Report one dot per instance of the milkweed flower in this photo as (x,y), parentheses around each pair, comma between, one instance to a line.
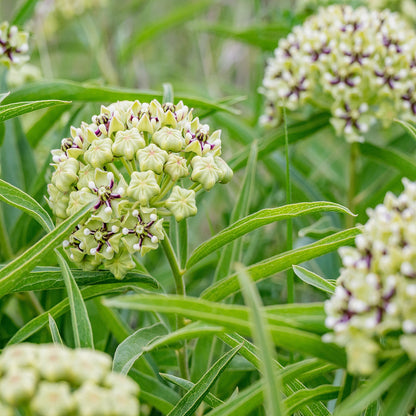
(53,380)
(138,162)
(373,309)
(358,64)
(13,45)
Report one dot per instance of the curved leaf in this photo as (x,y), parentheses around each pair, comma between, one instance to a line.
(259,219)
(302,397)
(314,280)
(17,109)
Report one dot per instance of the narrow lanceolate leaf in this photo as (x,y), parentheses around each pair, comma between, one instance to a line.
(409,127)
(17,109)
(193,398)
(81,325)
(390,157)
(283,331)
(75,91)
(131,348)
(46,278)
(382,380)
(314,280)
(62,307)
(259,219)
(303,397)
(24,12)
(281,262)
(261,335)
(14,196)
(56,336)
(11,273)
(187,385)
(3,96)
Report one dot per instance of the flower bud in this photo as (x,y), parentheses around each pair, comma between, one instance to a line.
(169,139)
(176,167)
(127,143)
(143,186)
(181,203)
(65,174)
(152,158)
(205,171)
(99,153)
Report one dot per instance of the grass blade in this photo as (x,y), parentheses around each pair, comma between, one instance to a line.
(314,280)
(56,336)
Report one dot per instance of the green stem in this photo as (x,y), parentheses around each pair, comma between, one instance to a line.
(289,225)
(113,168)
(127,165)
(6,247)
(352,181)
(180,290)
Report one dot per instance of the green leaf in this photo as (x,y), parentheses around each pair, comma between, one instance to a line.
(409,127)
(17,109)
(186,385)
(75,91)
(24,12)
(380,382)
(263,340)
(162,24)
(283,330)
(192,399)
(314,280)
(62,307)
(281,262)
(3,96)
(131,348)
(259,219)
(14,196)
(390,157)
(47,277)
(302,397)
(56,336)
(11,273)
(81,325)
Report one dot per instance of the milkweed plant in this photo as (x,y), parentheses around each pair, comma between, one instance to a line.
(202,208)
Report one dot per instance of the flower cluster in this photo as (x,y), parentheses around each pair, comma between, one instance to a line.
(359,64)
(13,45)
(137,162)
(53,380)
(374,305)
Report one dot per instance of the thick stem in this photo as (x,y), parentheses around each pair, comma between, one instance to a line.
(180,290)
(289,226)
(352,181)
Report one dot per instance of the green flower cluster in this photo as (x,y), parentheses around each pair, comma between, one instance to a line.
(13,45)
(138,162)
(358,64)
(373,309)
(53,380)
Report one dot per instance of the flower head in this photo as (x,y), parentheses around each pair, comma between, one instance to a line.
(13,45)
(358,64)
(373,307)
(129,161)
(53,380)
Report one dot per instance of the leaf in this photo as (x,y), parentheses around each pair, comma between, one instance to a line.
(11,273)
(302,397)
(409,127)
(56,336)
(130,349)
(81,325)
(210,399)
(380,382)
(17,109)
(390,157)
(162,24)
(192,399)
(259,219)
(281,262)
(3,96)
(62,307)
(263,340)
(236,318)
(75,91)
(46,278)
(19,199)
(314,280)
(24,12)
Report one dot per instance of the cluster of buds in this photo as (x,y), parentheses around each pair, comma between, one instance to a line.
(358,64)
(13,45)
(53,380)
(373,309)
(138,162)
